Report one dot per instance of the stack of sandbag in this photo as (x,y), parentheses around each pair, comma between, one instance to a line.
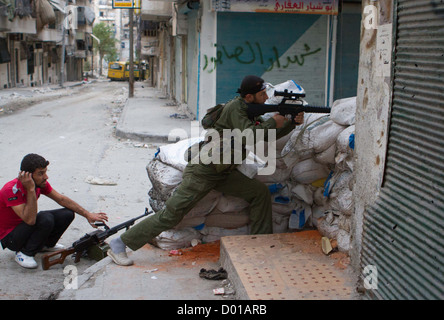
(319,156)
(214,216)
(338,187)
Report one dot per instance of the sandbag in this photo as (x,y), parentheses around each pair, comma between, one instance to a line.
(174,154)
(228,220)
(344,241)
(343,111)
(206,205)
(211,234)
(316,135)
(341,196)
(190,222)
(328,225)
(163,177)
(308,171)
(280,222)
(176,239)
(345,140)
(299,217)
(229,203)
(304,192)
(327,156)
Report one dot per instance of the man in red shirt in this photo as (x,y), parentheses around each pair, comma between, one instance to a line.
(25,230)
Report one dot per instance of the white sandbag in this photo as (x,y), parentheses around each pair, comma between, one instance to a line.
(344,241)
(345,140)
(303,192)
(229,203)
(328,225)
(317,212)
(322,134)
(252,166)
(228,220)
(316,135)
(345,144)
(282,201)
(341,196)
(190,222)
(343,111)
(174,154)
(327,156)
(211,234)
(309,171)
(289,85)
(280,222)
(299,217)
(279,175)
(176,239)
(163,177)
(283,209)
(206,204)
(318,197)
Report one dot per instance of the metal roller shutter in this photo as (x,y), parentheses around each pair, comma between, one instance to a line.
(404,230)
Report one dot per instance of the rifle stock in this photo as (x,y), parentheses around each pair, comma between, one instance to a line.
(48,259)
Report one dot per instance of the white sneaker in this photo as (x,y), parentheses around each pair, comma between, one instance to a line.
(57,247)
(25,261)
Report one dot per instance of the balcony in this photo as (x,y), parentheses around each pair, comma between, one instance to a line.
(48,34)
(23,25)
(157,10)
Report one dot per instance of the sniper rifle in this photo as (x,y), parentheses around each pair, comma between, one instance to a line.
(89,240)
(296,106)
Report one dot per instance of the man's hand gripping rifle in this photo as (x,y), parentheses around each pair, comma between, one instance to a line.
(295,106)
(95,238)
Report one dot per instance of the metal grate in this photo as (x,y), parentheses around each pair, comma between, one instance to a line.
(404,229)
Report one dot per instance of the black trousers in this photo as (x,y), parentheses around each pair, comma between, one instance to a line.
(47,230)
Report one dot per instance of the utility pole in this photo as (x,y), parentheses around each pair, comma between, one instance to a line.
(131,54)
(62,69)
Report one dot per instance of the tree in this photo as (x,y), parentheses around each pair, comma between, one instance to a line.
(107,46)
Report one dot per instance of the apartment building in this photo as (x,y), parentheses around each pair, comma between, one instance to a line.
(38,37)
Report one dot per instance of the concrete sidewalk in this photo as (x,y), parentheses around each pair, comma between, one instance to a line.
(148,116)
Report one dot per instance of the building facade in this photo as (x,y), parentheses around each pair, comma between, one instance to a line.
(32,40)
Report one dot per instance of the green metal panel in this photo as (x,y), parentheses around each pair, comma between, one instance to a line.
(404,230)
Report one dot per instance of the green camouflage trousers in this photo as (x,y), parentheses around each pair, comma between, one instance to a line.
(198,180)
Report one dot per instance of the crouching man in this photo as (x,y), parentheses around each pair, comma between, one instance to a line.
(25,230)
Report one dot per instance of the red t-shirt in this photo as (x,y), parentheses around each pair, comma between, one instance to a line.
(13,194)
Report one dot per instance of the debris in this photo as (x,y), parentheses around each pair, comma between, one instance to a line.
(99,181)
(178,116)
(151,270)
(213,274)
(328,246)
(219,291)
(175,253)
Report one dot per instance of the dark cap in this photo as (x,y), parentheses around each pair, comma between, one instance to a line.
(251,85)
